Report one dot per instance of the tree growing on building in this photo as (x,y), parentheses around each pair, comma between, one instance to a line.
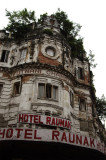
(19,22)
(19,25)
(101,107)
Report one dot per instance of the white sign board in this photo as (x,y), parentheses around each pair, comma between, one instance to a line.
(44,120)
(48,135)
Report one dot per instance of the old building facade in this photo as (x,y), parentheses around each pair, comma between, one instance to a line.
(46,98)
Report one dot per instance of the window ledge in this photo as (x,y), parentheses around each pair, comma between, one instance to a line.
(48,99)
(83,111)
(16,95)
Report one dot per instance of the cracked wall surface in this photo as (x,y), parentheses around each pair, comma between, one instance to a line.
(29,64)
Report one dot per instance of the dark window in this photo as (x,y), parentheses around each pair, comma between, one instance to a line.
(71,99)
(82,104)
(75,72)
(47,91)
(4,56)
(80,73)
(93,110)
(1,87)
(16,88)
(83,126)
(52,21)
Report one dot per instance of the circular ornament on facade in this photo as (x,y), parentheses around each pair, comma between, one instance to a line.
(51,51)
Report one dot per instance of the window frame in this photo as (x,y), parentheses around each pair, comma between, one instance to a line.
(48,88)
(4,56)
(1,89)
(84,126)
(71,99)
(50,48)
(82,107)
(21,55)
(56,91)
(15,93)
(80,73)
(41,84)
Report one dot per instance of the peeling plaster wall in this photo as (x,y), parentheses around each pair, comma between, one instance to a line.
(28,101)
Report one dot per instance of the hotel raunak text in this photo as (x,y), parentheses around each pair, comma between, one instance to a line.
(49,135)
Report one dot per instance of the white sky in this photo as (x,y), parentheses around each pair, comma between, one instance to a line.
(90,14)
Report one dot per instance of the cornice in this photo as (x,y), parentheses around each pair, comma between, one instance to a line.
(59,69)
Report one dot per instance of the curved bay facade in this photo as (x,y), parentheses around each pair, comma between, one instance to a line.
(46,98)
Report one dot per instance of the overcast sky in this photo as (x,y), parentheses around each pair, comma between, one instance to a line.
(90,14)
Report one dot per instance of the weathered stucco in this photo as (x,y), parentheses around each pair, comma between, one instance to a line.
(36,68)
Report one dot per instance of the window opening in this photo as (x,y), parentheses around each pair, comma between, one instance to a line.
(16,88)
(82,105)
(23,53)
(1,87)
(41,90)
(50,51)
(83,126)
(47,91)
(80,73)
(52,21)
(55,94)
(71,99)
(4,56)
